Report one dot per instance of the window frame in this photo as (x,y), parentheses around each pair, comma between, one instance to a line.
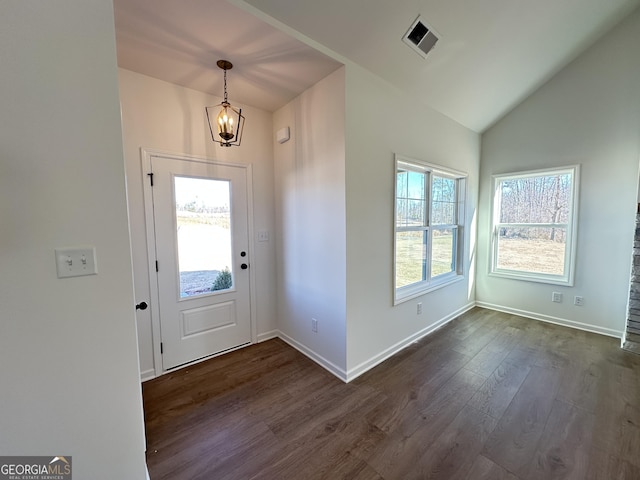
(571,226)
(429,282)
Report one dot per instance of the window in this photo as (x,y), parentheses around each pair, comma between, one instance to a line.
(428,227)
(534,225)
(203,234)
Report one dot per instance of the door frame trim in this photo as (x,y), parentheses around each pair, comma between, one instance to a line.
(156,333)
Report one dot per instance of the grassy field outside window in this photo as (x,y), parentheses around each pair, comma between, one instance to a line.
(428,215)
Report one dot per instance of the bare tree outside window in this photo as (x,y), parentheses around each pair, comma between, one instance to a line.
(534,222)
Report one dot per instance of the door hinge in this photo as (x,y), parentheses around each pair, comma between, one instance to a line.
(161,348)
(157,266)
(150,175)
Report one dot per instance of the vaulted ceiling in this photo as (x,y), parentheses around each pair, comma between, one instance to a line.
(491,55)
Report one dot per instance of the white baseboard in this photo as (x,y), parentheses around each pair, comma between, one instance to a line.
(376,359)
(392,350)
(353,373)
(555,320)
(319,359)
(263,337)
(147,375)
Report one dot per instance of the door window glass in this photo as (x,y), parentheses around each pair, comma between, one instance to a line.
(203,232)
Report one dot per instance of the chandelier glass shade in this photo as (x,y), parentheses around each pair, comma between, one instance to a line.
(226,122)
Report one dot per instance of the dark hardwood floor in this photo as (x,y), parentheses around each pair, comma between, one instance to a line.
(489,396)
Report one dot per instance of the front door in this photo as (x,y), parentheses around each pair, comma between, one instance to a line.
(200,222)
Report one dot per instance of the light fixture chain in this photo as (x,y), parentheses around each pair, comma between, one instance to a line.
(225,86)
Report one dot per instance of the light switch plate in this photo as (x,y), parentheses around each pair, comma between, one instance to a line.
(76,261)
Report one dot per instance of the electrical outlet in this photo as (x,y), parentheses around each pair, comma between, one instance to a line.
(419,308)
(556,297)
(578,300)
(314,325)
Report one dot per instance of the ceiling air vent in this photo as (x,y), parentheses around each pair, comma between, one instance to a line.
(421,37)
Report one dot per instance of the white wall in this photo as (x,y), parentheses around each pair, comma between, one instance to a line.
(68,354)
(334,208)
(382,121)
(310,208)
(588,114)
(161,116)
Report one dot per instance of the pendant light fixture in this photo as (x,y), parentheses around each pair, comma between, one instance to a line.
(226,122)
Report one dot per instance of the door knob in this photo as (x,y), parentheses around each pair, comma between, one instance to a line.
(244,266)
(142,306)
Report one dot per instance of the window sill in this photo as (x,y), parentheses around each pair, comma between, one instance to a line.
(413,291)
(532,277)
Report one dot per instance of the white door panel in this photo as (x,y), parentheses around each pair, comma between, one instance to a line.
(200,223)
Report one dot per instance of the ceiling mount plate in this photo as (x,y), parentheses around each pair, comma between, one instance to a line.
(224,64)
